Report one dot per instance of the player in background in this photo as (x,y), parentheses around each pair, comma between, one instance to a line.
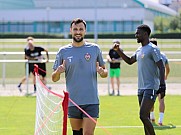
(81,61)
(33,53)
(151,73)
(161,101)
(115,68)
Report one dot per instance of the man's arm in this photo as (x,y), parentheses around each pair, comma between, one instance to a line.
(127,59)
(162,71)
(167,70)
(56,74)
(108,58)
(102,70)
(162,87)
(47,54)
(30,58)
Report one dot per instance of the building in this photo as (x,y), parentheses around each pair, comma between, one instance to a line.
(176,5)
(54,16)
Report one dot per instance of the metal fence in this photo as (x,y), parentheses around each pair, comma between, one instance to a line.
(12,69)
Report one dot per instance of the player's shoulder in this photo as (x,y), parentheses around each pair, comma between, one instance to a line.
(163,55)
(92,45)
(38,48)
(138,49)
(65,47)
(26,48)
(151,45)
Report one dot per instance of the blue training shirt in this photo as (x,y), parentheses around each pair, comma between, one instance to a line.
(164,59)
(148,72)
(80,71)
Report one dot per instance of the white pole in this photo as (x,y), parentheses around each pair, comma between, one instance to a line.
(108,79)
(95,22)
(4,71)
(27,77)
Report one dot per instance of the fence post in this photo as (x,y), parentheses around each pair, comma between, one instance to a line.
(4,71)
(27,77)
(108,79)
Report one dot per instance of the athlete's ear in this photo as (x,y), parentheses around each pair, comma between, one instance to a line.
(70,30)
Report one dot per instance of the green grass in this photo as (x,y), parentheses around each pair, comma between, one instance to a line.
(118,115)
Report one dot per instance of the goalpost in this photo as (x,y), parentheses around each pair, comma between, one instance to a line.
(51,110)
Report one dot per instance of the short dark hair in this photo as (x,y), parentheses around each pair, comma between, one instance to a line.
(145,28)
(77,21)
(153,40)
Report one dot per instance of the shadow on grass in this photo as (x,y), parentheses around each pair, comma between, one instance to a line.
(164,127)
(31,94)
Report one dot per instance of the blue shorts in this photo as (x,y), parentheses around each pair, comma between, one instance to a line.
(91,109)
(147,93)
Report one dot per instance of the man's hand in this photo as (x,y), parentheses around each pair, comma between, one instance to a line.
(61,68)
(100,70)
(161,91)
(116,46)
(58,71)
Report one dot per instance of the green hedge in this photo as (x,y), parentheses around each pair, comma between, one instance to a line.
(91,35)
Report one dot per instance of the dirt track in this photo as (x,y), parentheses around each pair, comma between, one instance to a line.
(125,89)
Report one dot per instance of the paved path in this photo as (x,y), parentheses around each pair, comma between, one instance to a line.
(125,89)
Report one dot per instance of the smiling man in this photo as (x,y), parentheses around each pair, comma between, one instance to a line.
(81,61)
(151,74)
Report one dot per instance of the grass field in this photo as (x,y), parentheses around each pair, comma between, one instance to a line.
(118,115)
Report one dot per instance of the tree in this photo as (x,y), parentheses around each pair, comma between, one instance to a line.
(168,24)
(161,24)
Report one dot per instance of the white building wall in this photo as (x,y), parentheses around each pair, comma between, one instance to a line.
(68,15)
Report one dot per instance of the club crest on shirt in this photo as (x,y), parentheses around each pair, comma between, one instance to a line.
(87,56)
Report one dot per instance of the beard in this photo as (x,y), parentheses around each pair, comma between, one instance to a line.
(138,41)
(78,39)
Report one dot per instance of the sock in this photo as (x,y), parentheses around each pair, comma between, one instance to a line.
(113,92)
(19,85)
(81,131)
(161,117)
(118,92)
(78,132)
(152,116)
(34,87)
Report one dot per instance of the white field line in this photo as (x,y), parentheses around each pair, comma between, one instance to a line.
(118,127)
(111,127)
(167,126)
